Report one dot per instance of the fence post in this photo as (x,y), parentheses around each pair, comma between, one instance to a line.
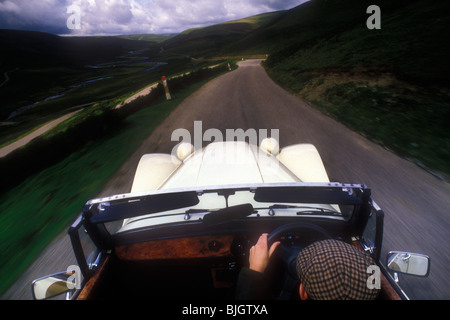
(166,88)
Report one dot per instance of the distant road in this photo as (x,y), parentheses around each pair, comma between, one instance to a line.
(415,202)
(139,94)
(23,141)
(5,74)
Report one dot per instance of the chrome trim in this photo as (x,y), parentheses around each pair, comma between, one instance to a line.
(218,188)
(94,265)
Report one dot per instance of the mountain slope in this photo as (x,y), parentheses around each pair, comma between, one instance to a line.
(40,65)
(209,40)
(28,48)
(333,33)
(391,84)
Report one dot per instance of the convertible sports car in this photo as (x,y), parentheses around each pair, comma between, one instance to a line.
(187,225)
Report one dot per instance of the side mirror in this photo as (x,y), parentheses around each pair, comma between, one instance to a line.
(54,285)
(408,263)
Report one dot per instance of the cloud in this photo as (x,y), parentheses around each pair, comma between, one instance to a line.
(9,6)
(45,15)
(111,17)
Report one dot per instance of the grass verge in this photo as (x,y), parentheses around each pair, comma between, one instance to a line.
(410,120)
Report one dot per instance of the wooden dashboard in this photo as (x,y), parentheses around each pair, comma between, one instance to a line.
(192,247)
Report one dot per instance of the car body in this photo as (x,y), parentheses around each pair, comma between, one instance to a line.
(186,227)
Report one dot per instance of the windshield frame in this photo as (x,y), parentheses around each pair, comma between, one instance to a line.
(161,202)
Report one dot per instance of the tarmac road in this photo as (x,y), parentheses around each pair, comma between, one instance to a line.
(416,203)
(23,141)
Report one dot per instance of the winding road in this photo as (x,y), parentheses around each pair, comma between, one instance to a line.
(416,203)
(6,75)
(38,132)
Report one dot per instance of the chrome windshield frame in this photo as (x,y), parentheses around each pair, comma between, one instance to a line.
(100,210)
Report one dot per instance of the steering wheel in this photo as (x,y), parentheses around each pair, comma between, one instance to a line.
(288,255)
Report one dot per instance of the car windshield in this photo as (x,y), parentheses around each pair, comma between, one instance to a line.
(134,211)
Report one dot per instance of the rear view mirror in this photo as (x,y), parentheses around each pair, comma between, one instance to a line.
(54,285)
(408,263)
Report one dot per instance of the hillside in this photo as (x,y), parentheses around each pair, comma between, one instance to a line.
(36,49)
(41,67)
(207,41)
(410,42)
(391,85)
(149,37)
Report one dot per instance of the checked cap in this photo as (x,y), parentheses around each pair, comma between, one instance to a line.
(335,270)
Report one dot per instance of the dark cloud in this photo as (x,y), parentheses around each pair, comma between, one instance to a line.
(108,17)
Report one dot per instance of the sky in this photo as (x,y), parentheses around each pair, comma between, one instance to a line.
(114,17)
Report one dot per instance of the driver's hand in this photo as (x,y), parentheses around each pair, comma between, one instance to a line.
(260,253)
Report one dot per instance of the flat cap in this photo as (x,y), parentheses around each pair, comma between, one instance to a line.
(335,270)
